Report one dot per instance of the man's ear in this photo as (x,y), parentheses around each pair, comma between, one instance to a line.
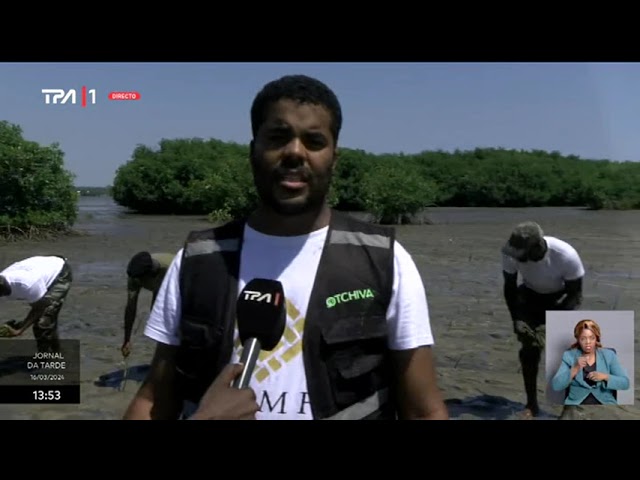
(252,149)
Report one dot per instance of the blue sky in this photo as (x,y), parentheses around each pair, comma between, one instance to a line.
(590,110)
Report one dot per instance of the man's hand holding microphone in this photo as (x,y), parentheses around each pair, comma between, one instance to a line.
(261,318)
(224,402)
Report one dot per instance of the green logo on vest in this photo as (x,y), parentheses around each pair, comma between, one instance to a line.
(345,297)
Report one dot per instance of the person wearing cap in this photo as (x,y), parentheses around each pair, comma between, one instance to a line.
(43,282)
(551,271)
(145,271)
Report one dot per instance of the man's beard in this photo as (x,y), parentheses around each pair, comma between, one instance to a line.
(317,192)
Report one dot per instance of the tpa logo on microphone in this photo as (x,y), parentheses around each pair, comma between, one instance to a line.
(255,296)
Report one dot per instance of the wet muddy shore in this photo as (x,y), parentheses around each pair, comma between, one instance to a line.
(458,257)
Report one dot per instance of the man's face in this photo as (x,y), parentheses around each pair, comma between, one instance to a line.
(293,157)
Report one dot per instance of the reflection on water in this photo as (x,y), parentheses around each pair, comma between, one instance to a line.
(117,234)
(102,216)
(100,205)
(97,215)
(100,273)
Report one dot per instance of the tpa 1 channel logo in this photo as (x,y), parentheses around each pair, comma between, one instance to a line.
(60,96)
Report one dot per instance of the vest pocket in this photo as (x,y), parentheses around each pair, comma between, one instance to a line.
(355,352)
(198,340)
(197,332)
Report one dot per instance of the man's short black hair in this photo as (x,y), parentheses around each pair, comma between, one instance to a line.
(140,264)
(5,288)
(302,88)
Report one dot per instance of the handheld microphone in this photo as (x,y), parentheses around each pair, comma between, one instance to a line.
(261,316)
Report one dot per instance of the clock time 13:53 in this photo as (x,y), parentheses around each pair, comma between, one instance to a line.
(46,395)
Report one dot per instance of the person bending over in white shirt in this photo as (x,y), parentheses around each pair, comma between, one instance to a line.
(552,274)
(43,282)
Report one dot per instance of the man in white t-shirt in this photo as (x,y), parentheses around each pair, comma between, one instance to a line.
(552,274)
(296,122)
(43,282)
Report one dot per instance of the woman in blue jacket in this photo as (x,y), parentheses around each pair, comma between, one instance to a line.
(591,373)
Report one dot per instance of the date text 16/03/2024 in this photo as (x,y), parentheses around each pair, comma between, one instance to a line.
(51,394)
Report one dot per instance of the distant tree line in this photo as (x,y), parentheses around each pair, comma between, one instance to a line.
(195,176)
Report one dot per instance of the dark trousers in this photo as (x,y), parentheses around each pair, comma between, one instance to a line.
(532,309)
(45,329)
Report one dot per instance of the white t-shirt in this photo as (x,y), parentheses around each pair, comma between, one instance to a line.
(279,377)
(31,278)
(560,263)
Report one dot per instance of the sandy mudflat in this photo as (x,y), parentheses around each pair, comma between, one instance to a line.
(458,258)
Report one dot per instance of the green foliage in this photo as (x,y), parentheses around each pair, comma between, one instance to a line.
(393,189)
(37,195)
(186,176)
(214,178)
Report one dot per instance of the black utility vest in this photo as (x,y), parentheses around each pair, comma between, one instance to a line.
(345,334)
